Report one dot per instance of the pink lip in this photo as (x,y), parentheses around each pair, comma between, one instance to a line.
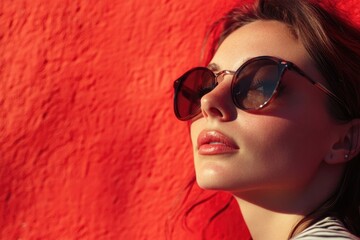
(214,142)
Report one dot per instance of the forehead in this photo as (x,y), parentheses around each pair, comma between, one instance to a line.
(261,38)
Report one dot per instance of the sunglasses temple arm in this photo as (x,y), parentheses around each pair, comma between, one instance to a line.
(325,90)
(321,87)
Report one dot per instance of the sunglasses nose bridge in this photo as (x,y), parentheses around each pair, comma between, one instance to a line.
(218,104)
(219,77)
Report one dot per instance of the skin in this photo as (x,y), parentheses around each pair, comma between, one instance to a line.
(290,154)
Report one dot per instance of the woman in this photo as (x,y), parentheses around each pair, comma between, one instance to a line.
(274,119)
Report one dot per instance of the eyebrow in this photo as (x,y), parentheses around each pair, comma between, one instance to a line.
(213,67)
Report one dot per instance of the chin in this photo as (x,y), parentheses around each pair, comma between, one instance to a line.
(214,183)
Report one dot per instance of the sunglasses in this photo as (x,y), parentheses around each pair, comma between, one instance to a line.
(253,85)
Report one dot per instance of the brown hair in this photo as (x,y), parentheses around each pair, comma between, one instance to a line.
(333,44)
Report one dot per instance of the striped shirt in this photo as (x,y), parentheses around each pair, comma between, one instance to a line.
(328,228)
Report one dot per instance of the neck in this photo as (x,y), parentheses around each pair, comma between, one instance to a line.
(267,224)
(273,214)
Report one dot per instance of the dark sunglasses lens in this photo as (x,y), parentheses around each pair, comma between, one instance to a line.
(255,83)
(192,86)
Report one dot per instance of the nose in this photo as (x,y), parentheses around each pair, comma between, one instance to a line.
(218,103)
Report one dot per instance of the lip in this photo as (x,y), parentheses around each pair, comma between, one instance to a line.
(214,143)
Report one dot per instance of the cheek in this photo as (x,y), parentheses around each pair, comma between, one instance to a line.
(284,151)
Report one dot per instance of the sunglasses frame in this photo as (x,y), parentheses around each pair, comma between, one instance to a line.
(283,66)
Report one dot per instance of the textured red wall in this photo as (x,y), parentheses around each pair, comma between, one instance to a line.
(89,146)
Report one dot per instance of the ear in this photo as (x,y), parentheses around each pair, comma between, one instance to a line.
(348,146)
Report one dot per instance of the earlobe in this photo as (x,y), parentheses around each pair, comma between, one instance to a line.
(347,147)
(337,156)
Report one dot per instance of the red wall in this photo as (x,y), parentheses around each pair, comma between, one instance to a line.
(89,146)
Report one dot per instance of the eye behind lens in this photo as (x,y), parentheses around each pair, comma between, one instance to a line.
(193,85)
(254,83)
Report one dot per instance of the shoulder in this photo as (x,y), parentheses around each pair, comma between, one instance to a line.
(327,228)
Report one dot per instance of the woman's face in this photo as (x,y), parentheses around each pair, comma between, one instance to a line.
(280,147)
